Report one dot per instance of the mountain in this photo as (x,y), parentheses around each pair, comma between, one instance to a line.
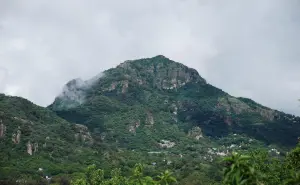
(154,110)
(160,94)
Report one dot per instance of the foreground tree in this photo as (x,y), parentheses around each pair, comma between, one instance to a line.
(239,171)
(259,168)
(166,178)
(94,176)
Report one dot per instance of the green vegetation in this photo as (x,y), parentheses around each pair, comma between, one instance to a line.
(260,168)
(154,112)
(95,176)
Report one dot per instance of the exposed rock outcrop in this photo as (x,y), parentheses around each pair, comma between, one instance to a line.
(228,120)
(121,86)
(35,147)
(174,109)
(233,104)
(268,114)
(23,120)
(2,129)
(236,106)
(16,137)
(195,133)
(45,144)
(125,86)
(29,148)
(83,134)
(113,86)
(132,128)
(32,148)
(166,144)
(149,118)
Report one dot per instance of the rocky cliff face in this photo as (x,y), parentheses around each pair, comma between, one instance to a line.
(82,134)
(233,105)
(195,133)
(165,74)
(16,137)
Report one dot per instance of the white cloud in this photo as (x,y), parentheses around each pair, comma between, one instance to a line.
(247,48)
(12,90)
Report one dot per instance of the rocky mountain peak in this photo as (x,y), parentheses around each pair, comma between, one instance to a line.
(160,71)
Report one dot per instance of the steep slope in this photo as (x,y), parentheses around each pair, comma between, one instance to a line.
(32,137)
(142,102)
(154,111)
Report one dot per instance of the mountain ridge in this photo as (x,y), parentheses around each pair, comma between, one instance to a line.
(153,111)
(173,79)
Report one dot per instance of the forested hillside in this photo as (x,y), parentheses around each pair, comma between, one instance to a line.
(152,111)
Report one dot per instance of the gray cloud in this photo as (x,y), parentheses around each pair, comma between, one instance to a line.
(248,48)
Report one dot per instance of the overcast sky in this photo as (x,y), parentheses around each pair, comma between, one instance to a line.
(248,48)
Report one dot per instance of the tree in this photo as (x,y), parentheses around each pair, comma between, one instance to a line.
(94,176)
(138,176)
(166,178)
(239,171)
(294,179)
